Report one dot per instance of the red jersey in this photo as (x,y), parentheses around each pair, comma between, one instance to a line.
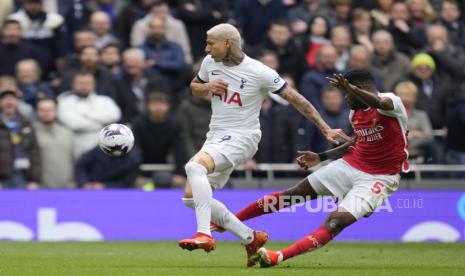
(381,139)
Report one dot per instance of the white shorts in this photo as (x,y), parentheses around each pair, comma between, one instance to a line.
(362,193)
(235,147)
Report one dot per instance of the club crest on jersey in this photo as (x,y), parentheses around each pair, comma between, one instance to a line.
(242,83)
(234,98)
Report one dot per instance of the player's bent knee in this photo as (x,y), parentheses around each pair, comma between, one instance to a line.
(194,168)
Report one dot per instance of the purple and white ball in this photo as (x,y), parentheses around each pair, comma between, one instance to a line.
(116,140)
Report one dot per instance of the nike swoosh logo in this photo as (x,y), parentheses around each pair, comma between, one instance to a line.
(215,73)
(200,241)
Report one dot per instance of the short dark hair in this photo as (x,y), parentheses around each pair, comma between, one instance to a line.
(82,73)
(158,97)
(44,98)
(362,77)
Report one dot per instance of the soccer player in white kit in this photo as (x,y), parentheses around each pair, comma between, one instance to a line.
(239,85)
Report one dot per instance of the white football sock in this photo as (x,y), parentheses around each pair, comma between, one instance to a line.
(223,217)
(202,194)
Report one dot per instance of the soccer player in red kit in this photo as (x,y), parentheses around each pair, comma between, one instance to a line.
(367,174)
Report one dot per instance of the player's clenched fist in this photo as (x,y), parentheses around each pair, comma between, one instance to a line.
(217,87)
(307,159)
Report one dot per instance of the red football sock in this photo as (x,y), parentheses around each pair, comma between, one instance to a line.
(313,241)
(259,207)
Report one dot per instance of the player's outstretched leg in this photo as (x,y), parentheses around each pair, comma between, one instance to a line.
(278,200)
(333,225)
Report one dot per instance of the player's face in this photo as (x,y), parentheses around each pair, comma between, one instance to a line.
(217,48)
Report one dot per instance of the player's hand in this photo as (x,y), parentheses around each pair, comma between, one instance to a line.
(217,87)
(342,83)
(307,159)
(332,134)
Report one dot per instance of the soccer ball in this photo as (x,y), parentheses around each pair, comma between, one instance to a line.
(116,140)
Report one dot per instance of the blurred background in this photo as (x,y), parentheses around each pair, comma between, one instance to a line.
(70,67)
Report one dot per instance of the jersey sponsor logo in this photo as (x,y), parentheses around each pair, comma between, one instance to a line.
(235,98)
(277,79)
(371,134)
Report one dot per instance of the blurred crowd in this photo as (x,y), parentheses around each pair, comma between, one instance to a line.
(70,67)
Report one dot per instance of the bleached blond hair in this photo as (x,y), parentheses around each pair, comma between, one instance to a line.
(225,30)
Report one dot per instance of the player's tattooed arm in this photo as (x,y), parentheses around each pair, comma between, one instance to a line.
(309,111)
(202,89)
(369,98)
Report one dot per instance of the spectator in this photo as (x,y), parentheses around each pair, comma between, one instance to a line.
(433,89)
(361,28)
(360,58)
(28,76)
(334,111)
(407,37)
(433,92)
(340,39)
(6,8)
(82,39)
(194,116)
(134,10)
(46,32)
(422,12)
(175,29)
(56,147)
(112,8)
(254,27)
(163,56)
(342,11)
(448,58)
(85,112)
(392,65)
(199,16)
(135,84)
(290,54)
(455,118)
(89,61)
(12,48)
(450,18)
(318,36)
(158,134)
(100,24)
(381,14)
(19,153)
(110,57)
(420,133)
(24,109)
(314,80)
(96,171)
(278,133)
(300,15)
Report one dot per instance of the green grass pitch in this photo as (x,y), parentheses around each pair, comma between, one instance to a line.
(166,258)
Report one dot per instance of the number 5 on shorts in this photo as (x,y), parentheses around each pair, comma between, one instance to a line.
(377,188)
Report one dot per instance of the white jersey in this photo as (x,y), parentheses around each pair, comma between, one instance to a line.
(248,86)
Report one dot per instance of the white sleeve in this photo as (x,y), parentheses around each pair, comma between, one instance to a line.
(202,75)
(271,81)
(399,109)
